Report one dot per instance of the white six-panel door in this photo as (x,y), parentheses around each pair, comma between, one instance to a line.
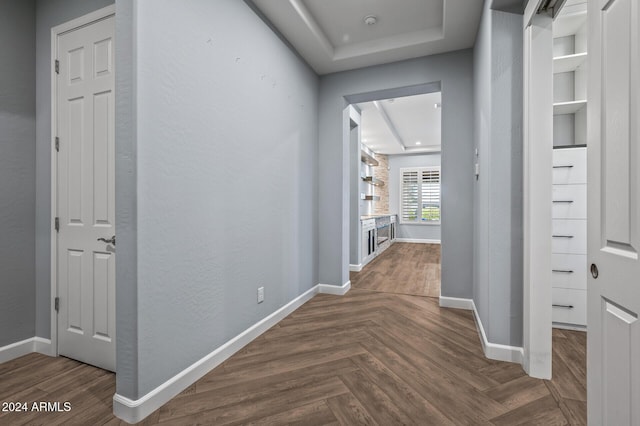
(86,194)
(613,344)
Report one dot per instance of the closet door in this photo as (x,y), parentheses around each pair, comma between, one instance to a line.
(613,344)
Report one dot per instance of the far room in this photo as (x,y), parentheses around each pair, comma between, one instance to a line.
(395,180)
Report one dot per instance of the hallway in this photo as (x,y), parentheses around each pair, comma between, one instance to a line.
(364,358)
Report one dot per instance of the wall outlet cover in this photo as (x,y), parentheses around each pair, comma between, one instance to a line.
(260,294)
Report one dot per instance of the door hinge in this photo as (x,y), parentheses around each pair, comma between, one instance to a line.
(57,304)
(57,66)
(57,224)
(57,144)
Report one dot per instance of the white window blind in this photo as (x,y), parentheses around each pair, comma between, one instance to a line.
(420,195)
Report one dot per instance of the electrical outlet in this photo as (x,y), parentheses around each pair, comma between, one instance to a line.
(260,294)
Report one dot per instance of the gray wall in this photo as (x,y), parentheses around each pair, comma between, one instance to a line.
(223,157)
(49,13)
(454,71)
(397,162)
(17,170)
(497,287)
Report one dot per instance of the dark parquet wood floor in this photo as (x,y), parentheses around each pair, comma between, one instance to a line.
(403,268)
(366,358)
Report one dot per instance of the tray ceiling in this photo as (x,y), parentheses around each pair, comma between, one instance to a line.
(333,35)
(412,122)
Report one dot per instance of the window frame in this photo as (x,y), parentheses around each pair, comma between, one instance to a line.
(420,171)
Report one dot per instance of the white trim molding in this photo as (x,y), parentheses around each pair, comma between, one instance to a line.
(334,289)
(355,268)
(24,347)
(491,350)
(571,327)
(456,303)
(417,241)
(495,350)
(133,411)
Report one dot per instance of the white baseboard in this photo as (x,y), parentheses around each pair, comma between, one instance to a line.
(24,347)
(355,268)
(572,327)
(416,241)
(456,303)
(334,289)
(491,350)
(42,346)
(133,411)
(494,350)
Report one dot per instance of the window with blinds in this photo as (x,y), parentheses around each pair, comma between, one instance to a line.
(420,195)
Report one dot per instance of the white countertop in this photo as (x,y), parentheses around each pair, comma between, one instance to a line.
(373,216)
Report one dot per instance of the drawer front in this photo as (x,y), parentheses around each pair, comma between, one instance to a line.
(571,306)
(569,236)
(569,271)
(569,202)
(368,224)
(569,166)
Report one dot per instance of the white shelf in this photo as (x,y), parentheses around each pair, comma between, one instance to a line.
(569,22)
(572,107)
(569,62)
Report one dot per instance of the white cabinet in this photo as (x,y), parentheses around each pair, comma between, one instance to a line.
(378,233)
(368,240)
(569,306)
(569,237)
(569,201)
(569,166)
(393,228)
(568,270)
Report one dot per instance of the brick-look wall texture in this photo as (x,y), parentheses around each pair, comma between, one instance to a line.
(381,172)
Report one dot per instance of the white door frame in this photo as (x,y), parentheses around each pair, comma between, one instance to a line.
(349,115)
(537,162)
(56,31)
(350,100)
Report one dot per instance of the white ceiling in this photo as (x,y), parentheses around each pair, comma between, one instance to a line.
(331,35)
(414,118)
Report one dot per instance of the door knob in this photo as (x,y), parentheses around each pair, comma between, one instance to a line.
(111,240)
(594,270)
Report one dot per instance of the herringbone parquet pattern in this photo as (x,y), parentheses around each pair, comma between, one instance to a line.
(368,358)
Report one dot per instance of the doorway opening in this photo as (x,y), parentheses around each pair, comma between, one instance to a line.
(395,194)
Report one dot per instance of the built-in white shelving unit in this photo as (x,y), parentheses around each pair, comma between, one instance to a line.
(569,190)
(571,107)
(569,63)
(569,79)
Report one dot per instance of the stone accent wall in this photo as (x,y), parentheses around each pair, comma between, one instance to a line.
(381,172)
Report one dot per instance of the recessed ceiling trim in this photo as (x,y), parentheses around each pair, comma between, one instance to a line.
(390,125)
(431,149)
(399,41)
(313,26)
(331,35)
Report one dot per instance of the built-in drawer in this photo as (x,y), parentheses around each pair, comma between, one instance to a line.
(569,271)
(569,166)
(569,306)
(368,224)
(569,236)
(569,202)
